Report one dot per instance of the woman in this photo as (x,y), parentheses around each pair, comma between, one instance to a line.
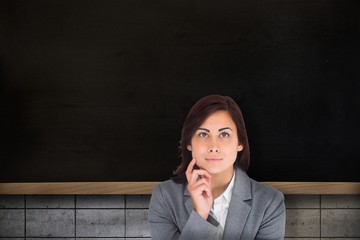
(211,196)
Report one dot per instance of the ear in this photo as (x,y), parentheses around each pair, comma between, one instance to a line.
(240,148)
(189,147)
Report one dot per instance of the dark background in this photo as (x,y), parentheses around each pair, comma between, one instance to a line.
(98,90)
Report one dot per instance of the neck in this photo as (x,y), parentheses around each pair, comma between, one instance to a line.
(220,181)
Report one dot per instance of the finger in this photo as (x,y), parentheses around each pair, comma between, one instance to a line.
(209,193)
(202,173)
(190,169)
(206,190)
(201,189)
(191,165)
(195,176)
(200,182)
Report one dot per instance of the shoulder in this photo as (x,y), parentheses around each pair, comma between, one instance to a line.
(265,195)
(254,189)
(169,189)
(167,199)
(260,189)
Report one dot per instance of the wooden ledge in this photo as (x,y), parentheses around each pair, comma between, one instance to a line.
(316,187)
(147,187)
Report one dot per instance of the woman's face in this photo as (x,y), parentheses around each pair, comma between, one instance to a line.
(215,143)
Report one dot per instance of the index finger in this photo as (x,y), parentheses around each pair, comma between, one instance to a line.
(190,168)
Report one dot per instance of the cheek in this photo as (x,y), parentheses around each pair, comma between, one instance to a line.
(198,148)
(231,149)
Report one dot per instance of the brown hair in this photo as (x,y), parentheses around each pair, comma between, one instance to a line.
(197,115)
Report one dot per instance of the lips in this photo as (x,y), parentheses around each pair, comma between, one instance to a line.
(213,159)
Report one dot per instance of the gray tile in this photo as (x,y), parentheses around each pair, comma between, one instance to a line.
(302,238)
(11,238)
(100,223)
(12,223)
(50,223)
(302,223)
(138,201)
(50,201)
(100,201)
(12,201)
(340,201)
(137,223)
(49,238)
(84,238)
(340,222)
(340,238)
(302,201)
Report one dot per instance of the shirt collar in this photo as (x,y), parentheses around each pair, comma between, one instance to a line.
(228,191)
(226,195)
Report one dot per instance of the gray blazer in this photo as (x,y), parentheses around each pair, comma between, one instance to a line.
(256,211)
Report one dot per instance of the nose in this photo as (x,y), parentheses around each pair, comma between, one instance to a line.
(213,149)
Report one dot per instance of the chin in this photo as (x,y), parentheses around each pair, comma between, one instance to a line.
(213,170)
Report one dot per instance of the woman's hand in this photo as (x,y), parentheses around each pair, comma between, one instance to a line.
(199,187)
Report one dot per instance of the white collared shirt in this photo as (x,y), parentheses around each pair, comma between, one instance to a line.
(221,204)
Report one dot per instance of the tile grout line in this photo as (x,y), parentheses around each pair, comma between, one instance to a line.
(102,208)
(320,213)
(25,216)
(75,216)
(125,215)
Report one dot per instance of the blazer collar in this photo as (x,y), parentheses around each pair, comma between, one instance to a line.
(188,202)
(239,207)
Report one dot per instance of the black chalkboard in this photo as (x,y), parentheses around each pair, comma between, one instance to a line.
(98,90)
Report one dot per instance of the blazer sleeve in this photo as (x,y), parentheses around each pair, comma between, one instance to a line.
(273,223)
(163,226)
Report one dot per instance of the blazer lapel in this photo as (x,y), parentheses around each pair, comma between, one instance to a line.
(239,207)
(188,202)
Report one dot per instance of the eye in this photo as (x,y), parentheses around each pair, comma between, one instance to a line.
(224,135)
(203,134)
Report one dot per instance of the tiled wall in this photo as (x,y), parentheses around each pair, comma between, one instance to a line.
(125,217)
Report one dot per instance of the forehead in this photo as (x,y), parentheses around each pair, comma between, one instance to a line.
(219,119)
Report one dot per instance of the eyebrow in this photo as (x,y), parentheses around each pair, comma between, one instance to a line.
(221,129)
(224,129)
(204,129)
